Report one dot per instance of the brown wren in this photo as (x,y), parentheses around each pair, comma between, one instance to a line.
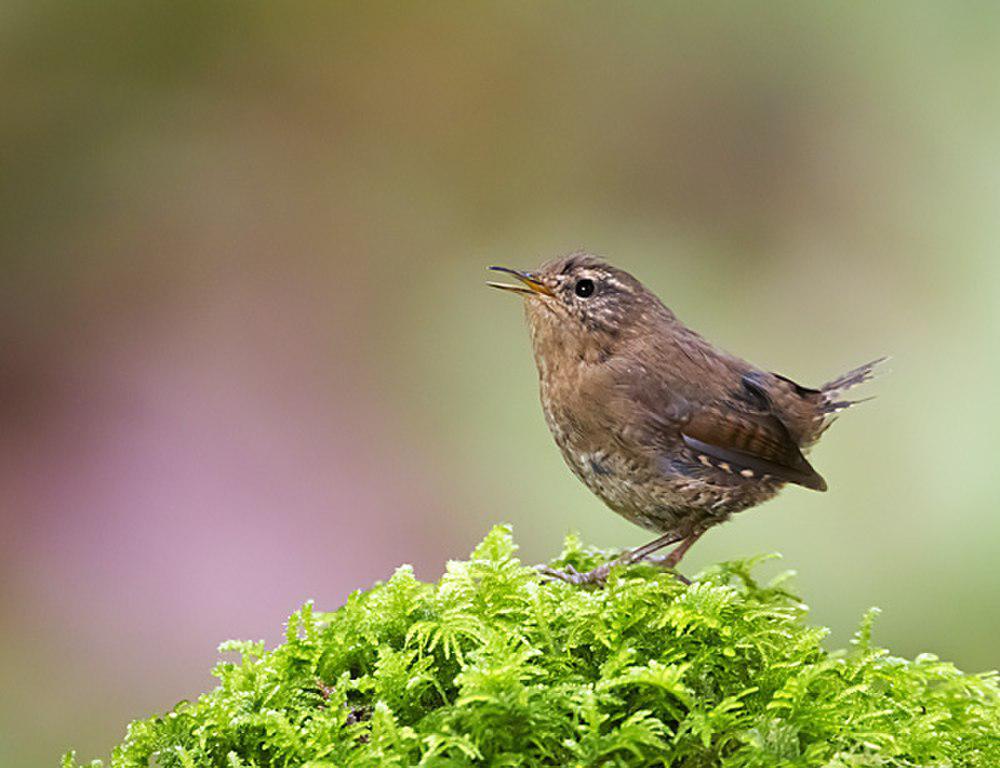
(670,432)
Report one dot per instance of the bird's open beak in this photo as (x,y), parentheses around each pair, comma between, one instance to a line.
(530,284)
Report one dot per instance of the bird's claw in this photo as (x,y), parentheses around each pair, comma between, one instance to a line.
(599,575)
(667,563)
(570,575)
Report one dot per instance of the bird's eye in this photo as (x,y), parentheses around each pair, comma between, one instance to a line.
(584,288)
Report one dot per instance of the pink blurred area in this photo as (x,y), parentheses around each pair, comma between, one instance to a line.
(180,471)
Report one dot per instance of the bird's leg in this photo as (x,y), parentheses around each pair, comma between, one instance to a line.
(643,552)
(672,558)
(600,574)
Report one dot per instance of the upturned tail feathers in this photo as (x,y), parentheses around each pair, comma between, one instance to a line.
(832,391)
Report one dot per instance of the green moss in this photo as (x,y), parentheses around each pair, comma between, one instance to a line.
(492,666)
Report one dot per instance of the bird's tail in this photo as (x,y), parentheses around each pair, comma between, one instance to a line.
(833,391)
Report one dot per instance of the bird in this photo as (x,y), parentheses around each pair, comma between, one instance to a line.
(669,431)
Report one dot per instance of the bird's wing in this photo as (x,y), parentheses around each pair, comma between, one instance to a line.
(746,433)
(743,440)
(740,428)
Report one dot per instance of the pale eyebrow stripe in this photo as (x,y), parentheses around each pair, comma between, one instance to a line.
(616,282)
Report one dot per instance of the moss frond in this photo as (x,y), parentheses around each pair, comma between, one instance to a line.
(493,666)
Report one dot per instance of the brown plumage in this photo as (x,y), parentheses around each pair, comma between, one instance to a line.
(670,432)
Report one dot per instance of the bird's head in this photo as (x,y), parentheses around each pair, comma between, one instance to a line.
(582,306)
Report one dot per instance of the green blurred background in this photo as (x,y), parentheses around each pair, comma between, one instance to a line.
(248,358)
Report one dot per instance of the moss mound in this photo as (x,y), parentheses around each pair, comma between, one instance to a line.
(492,666)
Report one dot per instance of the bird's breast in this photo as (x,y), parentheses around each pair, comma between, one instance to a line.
(593,437)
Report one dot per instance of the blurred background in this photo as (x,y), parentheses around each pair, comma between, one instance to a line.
(247,357)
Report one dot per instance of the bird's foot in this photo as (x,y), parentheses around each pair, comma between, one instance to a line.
(667,563)
(661,561)
(570,575)
(679,576)
(672,559)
